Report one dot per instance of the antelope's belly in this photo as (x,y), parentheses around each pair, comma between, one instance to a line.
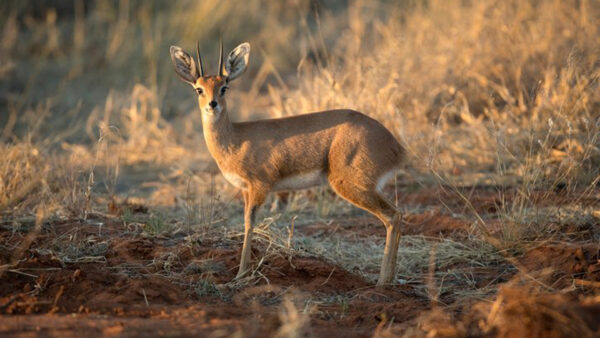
(234,179)
(301,181)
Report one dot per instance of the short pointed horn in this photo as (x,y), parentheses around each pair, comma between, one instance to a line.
(199,60)
(221,57)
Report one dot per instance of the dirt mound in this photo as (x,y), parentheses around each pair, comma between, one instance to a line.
(303,273)
(560,263)
(312,275)
(85,288)
(131,251)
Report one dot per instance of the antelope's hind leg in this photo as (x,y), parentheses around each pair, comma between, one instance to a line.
(373,201)
(387,273)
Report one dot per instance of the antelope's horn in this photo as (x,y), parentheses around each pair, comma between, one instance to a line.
(221,57)
(199,60)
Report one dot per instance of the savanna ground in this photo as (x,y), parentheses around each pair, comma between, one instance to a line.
(115,221)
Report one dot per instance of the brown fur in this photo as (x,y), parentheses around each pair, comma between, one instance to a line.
(351,150)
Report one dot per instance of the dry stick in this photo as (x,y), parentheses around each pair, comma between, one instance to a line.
(583,282)
(290,236)
(22,273)
(56,298)
(433,295)
(88,194)
(330,274)
(291,232)
(9,301)
(492,315)
(145,298)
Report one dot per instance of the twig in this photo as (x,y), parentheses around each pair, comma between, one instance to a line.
(431,287)
(327,280)
(22,273)
(145,298)
(10,301)
(291,232)
(56,298)
(583,282)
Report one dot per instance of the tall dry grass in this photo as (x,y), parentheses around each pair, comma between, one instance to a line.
(496,87)
(494,93)
(501,93)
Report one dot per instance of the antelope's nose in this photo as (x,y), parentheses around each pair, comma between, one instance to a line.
(213,104)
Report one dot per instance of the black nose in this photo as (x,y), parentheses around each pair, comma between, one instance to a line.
(213,104)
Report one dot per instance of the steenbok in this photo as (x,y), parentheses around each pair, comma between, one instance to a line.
(353,152)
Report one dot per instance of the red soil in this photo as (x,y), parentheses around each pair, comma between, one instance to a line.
(132,294)
(154,286)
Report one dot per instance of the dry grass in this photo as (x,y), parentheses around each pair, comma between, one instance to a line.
(517,311)
(495,93)
(492,93)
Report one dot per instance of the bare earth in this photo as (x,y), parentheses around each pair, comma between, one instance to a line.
(142,285)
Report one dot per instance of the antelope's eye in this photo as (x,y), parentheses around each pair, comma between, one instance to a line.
(223,90)
(199,91)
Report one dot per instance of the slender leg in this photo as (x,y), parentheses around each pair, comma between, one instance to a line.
(397,234)
(390,253)
(252,200)
(372,201)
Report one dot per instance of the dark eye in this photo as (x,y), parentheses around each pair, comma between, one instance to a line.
(199,91)
(223,90)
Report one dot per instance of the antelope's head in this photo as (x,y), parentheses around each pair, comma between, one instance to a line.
(211,89)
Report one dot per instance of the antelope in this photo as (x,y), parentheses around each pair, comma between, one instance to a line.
(352,152)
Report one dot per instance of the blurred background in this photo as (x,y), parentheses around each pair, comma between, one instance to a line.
(501,93)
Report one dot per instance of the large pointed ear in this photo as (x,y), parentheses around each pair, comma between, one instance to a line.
(237,61)
(184,64)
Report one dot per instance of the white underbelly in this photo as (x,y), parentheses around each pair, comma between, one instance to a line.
(384,179)
(301,181)
(235,179)
(295,182)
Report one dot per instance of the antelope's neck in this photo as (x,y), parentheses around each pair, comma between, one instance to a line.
(219,136)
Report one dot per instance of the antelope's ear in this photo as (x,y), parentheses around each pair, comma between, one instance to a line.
(184,64)
(237,61)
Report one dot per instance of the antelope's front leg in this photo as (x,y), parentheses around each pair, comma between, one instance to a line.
(253,198)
